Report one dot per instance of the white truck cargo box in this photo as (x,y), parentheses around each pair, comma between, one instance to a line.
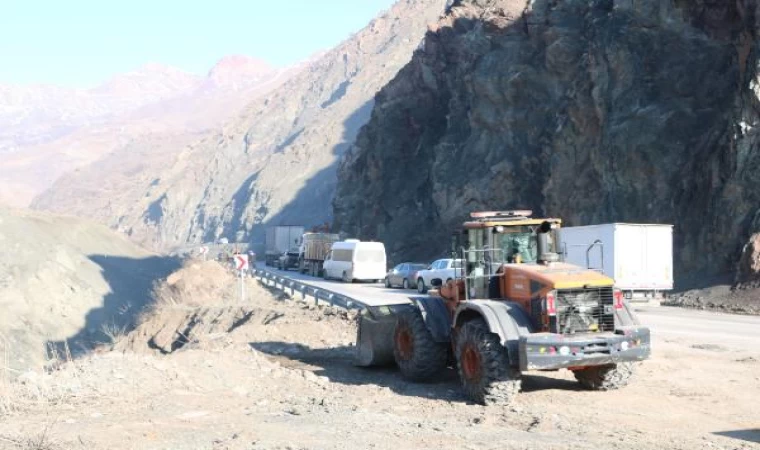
(280,239)
(639,257)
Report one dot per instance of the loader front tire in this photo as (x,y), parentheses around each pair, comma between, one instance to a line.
(605,378)
(483,364)
(419,357)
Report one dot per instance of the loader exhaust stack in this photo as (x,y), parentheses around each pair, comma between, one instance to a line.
(545,255)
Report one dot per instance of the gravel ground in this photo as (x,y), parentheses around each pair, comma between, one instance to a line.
(283,379)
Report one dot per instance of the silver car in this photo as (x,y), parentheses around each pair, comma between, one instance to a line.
(403,275)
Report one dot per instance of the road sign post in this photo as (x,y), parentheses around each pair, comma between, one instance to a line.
(241,264)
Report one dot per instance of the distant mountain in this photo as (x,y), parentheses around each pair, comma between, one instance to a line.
(35,114)
(274,163)
(237,72)
(46,132)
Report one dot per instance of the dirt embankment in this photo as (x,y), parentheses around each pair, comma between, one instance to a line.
(200,305)
(205,371)
(719,298)
(66,280)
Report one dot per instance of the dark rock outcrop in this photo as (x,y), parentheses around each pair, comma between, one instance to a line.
(594,111)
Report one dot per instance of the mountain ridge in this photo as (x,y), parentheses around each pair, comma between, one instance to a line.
(49,133)
(276,160)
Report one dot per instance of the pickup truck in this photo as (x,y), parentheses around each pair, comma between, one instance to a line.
(289,259)
(442,269)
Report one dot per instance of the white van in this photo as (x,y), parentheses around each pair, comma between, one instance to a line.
(352,259)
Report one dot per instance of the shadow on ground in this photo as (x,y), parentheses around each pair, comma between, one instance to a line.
(131,282)
(337,365)
(750,435)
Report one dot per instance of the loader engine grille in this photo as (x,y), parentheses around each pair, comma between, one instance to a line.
(585,310)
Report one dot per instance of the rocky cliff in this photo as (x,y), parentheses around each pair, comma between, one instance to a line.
(274,163)
(594,111)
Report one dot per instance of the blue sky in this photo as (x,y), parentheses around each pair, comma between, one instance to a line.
(80,43)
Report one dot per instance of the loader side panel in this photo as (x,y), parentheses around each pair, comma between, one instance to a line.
(506,319)
(436,316)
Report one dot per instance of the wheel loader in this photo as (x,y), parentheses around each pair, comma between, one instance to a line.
(514,307)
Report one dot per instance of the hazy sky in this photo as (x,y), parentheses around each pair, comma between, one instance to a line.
(81,43)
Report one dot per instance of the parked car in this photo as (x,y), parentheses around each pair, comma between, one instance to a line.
(442,269)
(289,259)
(352,259)
(403,275)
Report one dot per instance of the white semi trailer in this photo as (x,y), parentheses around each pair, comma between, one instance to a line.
(280,239)
(639,257)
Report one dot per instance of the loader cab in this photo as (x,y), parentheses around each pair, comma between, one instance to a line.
(493,239)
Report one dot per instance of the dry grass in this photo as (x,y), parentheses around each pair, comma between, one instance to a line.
(40,389)
(5,378)
(39,441)
(114,333)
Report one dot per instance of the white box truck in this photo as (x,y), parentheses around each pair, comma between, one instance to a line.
(639,257)
(280,239)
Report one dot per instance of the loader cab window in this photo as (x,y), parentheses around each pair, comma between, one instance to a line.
(518,241)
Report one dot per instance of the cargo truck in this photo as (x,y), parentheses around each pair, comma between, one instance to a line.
(314,250)
(639,257)
(279,240)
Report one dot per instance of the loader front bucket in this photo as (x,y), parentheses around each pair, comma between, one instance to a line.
(374,336)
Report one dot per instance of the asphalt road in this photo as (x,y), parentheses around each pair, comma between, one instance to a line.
(373,294)
(678,324)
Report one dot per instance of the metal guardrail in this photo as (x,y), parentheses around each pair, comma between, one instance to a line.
(319,294)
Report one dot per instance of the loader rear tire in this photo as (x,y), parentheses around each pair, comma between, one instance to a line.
(419,357)
(483,364)
(605,378)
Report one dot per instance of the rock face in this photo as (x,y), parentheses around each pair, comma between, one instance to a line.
(594,111)
(275,163)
